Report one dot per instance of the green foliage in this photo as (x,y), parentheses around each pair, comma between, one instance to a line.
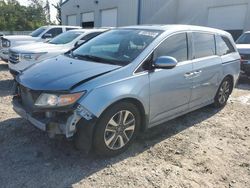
(59,11)
(15,17)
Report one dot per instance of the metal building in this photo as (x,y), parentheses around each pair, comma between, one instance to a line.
(230,15)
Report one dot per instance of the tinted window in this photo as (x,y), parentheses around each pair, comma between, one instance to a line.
(90,36)
(38,32)
(244,39)
(224,46)
(174,46)
(204,45)
(54,31)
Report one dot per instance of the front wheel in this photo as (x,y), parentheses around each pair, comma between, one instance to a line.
(116,129)
(223,93)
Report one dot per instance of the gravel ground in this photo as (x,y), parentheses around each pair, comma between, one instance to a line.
(205,148)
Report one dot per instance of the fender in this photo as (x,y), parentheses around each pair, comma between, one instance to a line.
(99,99)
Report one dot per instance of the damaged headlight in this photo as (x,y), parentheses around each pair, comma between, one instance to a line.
(53,100)
(5,43)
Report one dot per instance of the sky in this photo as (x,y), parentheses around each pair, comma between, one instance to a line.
(52,9)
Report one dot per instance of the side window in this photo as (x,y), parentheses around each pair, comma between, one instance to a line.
(90,36)
(146,65)
(223,46)
(54,31)
(175,46)
(204,45)
(70,28)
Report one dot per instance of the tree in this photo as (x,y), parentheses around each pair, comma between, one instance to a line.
(59,11)
(47,12)
(14,16)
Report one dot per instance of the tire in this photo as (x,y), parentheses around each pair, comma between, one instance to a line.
(223,93)
(116,129)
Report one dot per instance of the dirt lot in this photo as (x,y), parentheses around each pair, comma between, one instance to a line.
(206,148)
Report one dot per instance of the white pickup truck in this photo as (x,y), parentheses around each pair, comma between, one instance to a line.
(39,35)
(22,57)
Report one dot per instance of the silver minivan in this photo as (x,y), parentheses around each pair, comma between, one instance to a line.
(127,80)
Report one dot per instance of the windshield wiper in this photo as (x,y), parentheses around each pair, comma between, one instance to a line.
(95,59)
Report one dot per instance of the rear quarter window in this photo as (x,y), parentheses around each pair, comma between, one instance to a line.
(204,45)
(224,46)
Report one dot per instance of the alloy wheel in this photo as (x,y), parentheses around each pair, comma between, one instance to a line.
(119,130)
(224,92)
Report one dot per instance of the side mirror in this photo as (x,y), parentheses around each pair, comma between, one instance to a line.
(165,62)
(47,36)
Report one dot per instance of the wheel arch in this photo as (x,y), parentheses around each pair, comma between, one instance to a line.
(140,107)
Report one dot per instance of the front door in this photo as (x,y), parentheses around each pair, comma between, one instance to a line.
(170,89)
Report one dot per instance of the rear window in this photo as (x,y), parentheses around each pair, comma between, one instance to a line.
(224,46)
(204,45)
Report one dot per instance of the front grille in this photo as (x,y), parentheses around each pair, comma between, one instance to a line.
(5,43)
(28,97)
(14,57)
(245,56)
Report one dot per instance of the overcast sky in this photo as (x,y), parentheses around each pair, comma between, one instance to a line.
(52,9)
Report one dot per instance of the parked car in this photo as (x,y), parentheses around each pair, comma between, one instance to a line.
(127,80)
(243,46)
(22,57)
(41,34)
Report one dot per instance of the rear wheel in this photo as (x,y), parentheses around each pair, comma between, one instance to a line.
(116,129)
(223,93)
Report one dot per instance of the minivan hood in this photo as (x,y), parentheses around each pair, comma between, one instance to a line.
(61,74)
(37,48)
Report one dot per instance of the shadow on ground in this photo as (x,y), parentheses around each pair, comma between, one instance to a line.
(5,87)
(29,158)
(244,83)
(4,67)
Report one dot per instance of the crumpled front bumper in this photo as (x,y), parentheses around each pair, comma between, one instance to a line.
(67,121)
(17,107)
(55,122)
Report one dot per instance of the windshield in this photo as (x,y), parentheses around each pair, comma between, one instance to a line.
(66,37)
(38,32)
(244,39)
(118,47)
